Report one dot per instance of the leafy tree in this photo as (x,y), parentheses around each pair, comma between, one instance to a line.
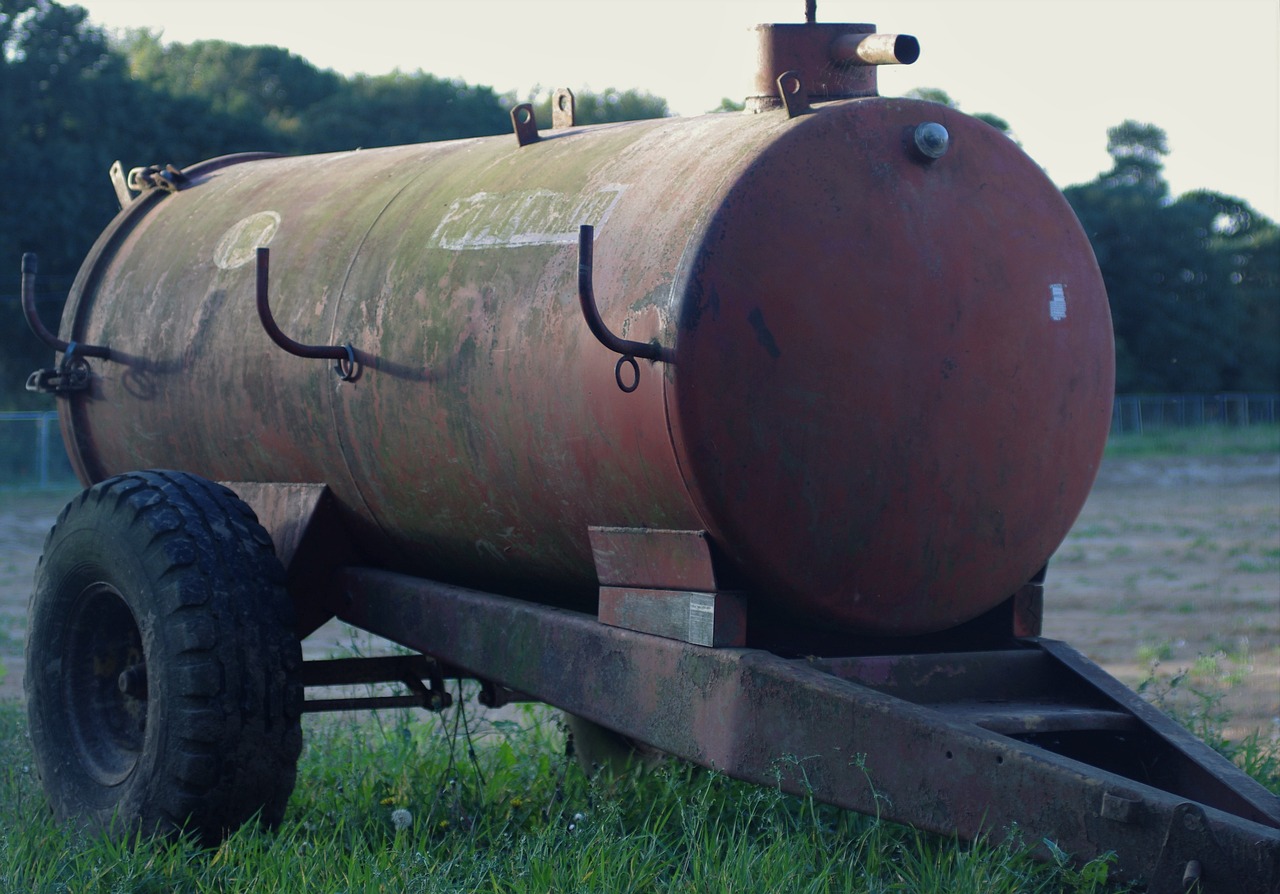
(1192,282)
(1137,153)
(62,90)
(935,94)
(265,97)
(62,94)
(259,92)
(399,108)
(1245,250)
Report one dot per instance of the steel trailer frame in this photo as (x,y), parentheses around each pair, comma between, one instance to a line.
(1031,736)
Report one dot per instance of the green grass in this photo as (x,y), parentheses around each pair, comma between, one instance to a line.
(1194,697)
(392,804)
(1202,441)
(404,802)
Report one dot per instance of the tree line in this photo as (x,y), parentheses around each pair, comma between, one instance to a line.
(1194,281)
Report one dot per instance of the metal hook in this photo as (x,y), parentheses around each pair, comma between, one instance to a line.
(347,366)
(629,350)
(37,326)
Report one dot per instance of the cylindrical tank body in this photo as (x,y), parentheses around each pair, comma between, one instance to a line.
(889,384)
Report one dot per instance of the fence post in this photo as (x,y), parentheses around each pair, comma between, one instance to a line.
(42,450)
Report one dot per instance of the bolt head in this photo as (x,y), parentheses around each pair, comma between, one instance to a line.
(932,140)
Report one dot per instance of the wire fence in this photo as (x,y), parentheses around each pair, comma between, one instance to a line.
(32,454)
(1141,413)
(31,451)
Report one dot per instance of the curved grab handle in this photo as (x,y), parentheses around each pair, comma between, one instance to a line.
(347,367)
(37,326)
(629,349)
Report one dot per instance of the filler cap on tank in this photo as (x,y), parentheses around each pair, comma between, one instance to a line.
(830,61)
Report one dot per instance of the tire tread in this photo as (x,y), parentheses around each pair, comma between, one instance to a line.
(231,662)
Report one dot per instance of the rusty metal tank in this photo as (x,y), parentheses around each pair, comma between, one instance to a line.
(886,354)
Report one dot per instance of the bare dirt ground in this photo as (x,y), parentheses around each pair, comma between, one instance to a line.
(1174,565)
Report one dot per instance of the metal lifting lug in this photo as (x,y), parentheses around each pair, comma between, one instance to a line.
(563,109)
(525,124)
(791,91)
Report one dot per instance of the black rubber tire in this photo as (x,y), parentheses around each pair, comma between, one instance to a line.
(162,668)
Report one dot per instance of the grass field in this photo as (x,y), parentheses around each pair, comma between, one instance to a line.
(397,804)
(1173,570)
(1208,441)
(408,802)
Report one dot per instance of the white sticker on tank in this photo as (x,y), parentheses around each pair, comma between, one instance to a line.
(239,245)
(523,217)
(1057,302)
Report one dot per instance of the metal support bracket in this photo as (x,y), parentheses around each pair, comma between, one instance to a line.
(409,670)
(912,738)
(1188,833)
(494,696)
(310,541)
(666,583)
(73,374)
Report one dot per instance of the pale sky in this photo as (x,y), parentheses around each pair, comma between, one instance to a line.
(1059,71)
